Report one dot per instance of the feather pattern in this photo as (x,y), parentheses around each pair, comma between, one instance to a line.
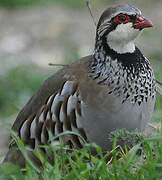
(59,114)
(92,97)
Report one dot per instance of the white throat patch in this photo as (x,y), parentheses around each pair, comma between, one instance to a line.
(122,38)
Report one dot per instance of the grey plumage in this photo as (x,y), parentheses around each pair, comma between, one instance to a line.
(94,96)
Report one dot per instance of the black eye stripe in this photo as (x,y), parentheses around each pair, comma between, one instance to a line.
(133,18)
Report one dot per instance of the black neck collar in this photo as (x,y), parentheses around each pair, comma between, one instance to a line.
(127,59)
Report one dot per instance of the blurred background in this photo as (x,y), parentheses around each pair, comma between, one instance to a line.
(34,33)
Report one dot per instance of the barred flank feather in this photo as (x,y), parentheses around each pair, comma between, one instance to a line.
(59,114)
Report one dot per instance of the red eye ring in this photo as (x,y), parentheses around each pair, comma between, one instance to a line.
(121,18)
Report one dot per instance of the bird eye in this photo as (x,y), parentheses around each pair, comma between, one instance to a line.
(121,18)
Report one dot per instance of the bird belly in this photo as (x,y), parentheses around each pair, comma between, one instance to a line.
(101,119)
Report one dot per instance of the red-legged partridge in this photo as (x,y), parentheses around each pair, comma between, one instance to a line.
(111,89)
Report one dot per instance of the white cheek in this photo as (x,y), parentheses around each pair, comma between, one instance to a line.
(123,32)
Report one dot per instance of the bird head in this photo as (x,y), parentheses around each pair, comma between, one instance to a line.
(120,25)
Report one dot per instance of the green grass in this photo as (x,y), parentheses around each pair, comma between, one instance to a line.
(140,162)
(12,4)
(16,87)
(29,3)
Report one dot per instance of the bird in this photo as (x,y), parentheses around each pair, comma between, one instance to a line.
(113,88)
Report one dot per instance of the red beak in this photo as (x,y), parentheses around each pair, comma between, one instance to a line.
(142,23)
